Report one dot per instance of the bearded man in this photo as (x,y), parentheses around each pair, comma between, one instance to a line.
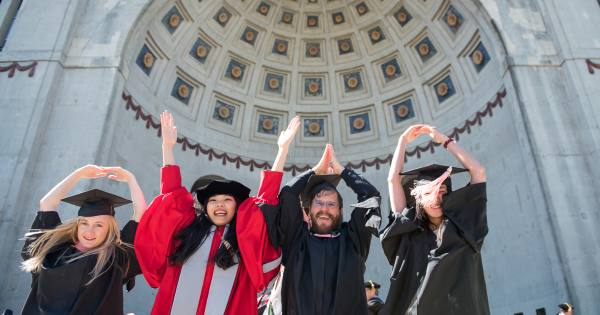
(325,257)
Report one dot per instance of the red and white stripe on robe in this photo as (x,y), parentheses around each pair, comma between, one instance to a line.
(199,287)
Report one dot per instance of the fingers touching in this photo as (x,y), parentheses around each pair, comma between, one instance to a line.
(414,131)
(337,167)
(328,158)
(119,173)
(92,171)
(323,167)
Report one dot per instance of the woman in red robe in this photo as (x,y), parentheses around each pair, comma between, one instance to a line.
(213,262)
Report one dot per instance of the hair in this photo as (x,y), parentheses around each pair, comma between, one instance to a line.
(67,232)
(426,195)
(194,235)
(373,289)
(326,191)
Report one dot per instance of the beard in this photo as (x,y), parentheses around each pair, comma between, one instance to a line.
(325,228)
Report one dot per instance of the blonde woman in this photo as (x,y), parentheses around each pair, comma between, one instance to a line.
(80,266)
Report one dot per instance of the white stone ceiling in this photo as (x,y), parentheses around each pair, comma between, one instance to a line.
(357,72)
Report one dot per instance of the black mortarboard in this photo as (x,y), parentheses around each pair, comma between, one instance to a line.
(430,173)
(372,285)
(222,187)
(566,307)
(96,202)
(315,184)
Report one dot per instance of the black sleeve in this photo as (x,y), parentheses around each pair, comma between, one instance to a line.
(366,216)
(285,221)
(133,266)
(44,220)
(398,228)
(375,307)
(466,208)
(297,184)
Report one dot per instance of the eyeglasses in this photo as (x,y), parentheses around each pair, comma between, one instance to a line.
(320,204)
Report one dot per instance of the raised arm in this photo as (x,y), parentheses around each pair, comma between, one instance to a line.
(169,135)
(476,170)
(139,203)
(261,257)
(284,143)
(397,198)
(166,215)
(366,216)
(53,197)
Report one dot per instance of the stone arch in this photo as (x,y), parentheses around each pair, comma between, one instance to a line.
(361,97)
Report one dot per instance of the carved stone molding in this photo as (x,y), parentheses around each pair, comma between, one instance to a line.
(359,123)
(224,112)
(402,111)
(183,91)
(478,57)
(148,60)
(267,124)
(174,20)
(314,128)
(236,72)
(201,51)
(223,17)
(442,89)
(424,49)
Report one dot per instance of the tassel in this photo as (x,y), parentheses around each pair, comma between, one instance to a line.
(427,194)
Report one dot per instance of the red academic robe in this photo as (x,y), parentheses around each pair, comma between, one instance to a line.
(198,287)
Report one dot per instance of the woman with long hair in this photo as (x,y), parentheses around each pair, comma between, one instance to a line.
(210,254)
(80,266)
(434,240)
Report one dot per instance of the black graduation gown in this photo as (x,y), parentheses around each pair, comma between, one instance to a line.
(60,288)
(445,278)
(323,276)
(375,306)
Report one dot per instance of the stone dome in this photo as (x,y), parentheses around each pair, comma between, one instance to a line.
(358,73)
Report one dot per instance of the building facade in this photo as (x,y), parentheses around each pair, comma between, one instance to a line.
(84,82)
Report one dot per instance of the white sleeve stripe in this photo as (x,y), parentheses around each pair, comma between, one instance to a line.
(271,265)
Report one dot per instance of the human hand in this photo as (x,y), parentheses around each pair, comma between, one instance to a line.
(92,171)
(413,132)
(323,167)
(437,135)
(121,175)
(169,131)
(287,135)
(336,166)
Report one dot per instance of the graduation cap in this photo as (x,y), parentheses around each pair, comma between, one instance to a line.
(96,202)
(566,307)
(372,285)
(428,173)
(315,184)
(222,187)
